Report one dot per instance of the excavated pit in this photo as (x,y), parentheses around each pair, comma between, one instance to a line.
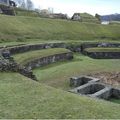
(90,89)
(115,96)
(78,81)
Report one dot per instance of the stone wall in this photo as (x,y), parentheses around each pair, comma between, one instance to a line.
(93,88)
(25,48)
(9,65)
(49,59)
(91,45)
(103,55)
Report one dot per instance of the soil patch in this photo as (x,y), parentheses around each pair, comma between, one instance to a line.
(112,78)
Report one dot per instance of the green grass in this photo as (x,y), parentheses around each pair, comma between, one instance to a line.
(23,98)
(58,74)
(115,100)
(115,22)
(20,28)
(102,49)
(88,18)
(23,12)
(26,57)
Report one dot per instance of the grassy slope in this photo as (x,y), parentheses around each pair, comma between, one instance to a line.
(102,49)
(24,58)
(24,98)
(60,73)
(23,12)
(88,18)
(22,28)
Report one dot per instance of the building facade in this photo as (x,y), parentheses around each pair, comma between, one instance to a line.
(4,2)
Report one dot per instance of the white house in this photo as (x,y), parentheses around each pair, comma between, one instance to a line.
(105,22)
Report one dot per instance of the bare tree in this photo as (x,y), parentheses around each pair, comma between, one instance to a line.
(29,5)
(21,3)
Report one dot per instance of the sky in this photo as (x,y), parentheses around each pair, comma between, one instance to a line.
(70,7)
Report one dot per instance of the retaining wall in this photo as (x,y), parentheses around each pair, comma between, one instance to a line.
(103,55)
(91,45)
(25,48)
(48,60)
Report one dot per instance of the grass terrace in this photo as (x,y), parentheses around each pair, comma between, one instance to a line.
(88,18)
(22,28)
(26,57)
(23,12)
(58,75)
(23,98)
(115,100)
(102,49)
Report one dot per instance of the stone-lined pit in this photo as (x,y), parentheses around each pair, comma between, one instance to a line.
(90,89)
(78,81)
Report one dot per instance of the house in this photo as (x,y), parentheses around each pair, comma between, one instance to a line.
(85,17)
(58,16)
(7,7)
(8,3)
(76,17)
(4,2)
(44,12)
(105,22)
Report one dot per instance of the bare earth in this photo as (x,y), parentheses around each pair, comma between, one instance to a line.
(109,78)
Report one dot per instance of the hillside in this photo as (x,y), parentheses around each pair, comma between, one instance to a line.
(112,17)
(88,18)
(48,96)
(23,12)
(22,98)
(20,28)
(85,17)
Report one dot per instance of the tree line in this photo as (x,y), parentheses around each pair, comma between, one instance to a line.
(25,4)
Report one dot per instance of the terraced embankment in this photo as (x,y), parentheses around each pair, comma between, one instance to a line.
(30,47)
(21,28)
(39,58)
(103,53)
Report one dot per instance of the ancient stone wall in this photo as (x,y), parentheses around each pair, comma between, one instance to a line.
(93,88)
(9,65)
(25,48)
(48,60)
(91,45)
(103,55)
(26,70)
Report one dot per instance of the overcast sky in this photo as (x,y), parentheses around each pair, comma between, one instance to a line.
(101,7)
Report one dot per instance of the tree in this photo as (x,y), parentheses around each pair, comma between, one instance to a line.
(21,3)
(29,5)
(98,16)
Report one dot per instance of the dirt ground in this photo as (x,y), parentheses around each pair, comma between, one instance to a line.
(109,78)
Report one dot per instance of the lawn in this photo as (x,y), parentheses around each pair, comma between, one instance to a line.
(115,100)
(26,57)
(20,28)
(22,98)
(58,74)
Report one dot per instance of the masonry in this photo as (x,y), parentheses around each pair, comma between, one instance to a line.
(30,47)
(48,60)
(104,55)
(92,87)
